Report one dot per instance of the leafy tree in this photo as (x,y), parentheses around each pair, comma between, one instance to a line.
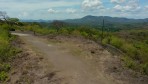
(13,19)
(58,24)
(3,16)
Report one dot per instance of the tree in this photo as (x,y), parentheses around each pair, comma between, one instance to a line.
(10,21)
(13,21)
(58,24)
(4,16)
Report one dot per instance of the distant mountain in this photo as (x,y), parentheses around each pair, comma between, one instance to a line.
(40,20)
(97,20)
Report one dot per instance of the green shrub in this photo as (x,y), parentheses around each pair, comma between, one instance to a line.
(145,68)
(117,42)
(146,41)
(106,40)
(3,76)
(64,31)
(76,33)
(130,63)
(5,26)
(95,37)
(5,67)
(129,49)
(86,35)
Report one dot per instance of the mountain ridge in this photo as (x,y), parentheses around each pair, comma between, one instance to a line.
(91,18)
(108,19)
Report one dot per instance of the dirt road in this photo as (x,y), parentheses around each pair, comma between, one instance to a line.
(69,60)
(68,68)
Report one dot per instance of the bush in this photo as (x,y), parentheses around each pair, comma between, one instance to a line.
(130,63)
(95,37)
(130,50)
(86,35)
(76,33)
(106,40)
(3,76)
(5,67)
(145,68)
(117,42)
(64,31)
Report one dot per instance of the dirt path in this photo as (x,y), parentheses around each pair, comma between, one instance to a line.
(62,60)
(68,68)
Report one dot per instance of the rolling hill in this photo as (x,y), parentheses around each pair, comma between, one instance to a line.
(97,20)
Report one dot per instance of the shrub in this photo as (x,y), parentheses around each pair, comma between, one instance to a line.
(145,68)
(5,67)
(76,33)
(95,37)
(130,63)
(129,49)
(106,40)
(86,35)
(117,42)
(3,76)
(64,31)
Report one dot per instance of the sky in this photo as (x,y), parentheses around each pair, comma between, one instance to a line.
(70,9)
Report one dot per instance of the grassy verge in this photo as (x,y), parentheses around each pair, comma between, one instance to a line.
(7,51)
(134,44)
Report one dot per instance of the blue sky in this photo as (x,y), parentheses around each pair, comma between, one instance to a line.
(69,9)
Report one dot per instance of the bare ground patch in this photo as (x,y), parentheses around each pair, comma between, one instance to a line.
(110,65)
(30,67)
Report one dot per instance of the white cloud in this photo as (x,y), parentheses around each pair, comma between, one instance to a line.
(118,1)
(118,7)
(127,8)
(23,14)
(131,6)
(146,7)
(123,8)
(70,10)
(92,4)
(52,11)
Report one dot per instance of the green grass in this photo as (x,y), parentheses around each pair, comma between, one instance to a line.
(7,51)
(136,49)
